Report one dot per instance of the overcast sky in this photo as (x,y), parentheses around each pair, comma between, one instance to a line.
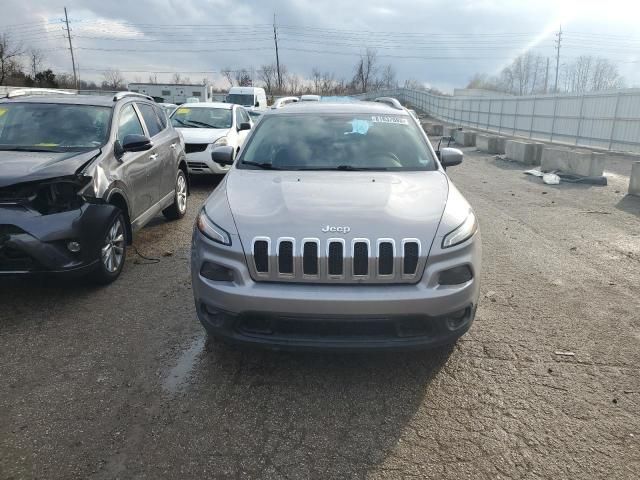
(439,43)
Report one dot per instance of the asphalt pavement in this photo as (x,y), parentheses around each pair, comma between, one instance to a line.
(121,382)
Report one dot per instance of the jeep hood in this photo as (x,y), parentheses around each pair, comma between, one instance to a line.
(19,166)
(372,205)
(202,135)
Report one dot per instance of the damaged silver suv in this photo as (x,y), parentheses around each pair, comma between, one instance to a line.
(78,175)
(337,227)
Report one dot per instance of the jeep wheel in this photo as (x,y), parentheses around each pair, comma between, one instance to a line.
(113,252)
(179,206)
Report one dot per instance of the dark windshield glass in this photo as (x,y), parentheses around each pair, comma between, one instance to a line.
(238,99)
(201,117)
(337,142)
(52,126)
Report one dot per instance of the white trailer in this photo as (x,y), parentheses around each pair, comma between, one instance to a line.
(173,93)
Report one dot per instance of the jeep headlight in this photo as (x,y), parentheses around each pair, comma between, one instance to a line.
(212,231)
(461,233)
(220,142)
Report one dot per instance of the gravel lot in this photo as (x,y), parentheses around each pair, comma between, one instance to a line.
(120,382)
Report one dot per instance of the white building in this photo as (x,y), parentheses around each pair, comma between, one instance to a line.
(173,93)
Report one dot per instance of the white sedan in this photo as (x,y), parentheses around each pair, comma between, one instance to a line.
(205,126)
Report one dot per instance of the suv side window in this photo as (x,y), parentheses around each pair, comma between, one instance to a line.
(162,116)
(150,119)
(129,123)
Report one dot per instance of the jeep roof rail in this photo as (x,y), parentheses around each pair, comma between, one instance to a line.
(20,92)
(121,95)
(392,102)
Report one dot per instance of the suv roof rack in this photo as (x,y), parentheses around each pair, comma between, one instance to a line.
(392,102)
(121,95)
(20,92)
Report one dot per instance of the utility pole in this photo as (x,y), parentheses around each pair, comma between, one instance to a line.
(558,45)
(275,39)
(546,77)
(73,62)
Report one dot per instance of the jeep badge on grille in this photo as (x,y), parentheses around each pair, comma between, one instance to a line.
(329,228)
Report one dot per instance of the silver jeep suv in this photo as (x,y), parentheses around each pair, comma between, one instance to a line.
(337,227)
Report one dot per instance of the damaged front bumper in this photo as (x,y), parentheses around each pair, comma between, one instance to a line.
(64,242)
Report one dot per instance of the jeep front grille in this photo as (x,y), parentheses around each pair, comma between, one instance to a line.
(336,260)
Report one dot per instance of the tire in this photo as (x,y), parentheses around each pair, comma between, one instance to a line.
(178,208)
(113,252)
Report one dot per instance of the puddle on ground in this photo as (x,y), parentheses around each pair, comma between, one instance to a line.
(178,376)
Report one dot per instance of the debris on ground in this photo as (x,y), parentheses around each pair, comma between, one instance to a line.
(556,176)
(564,354)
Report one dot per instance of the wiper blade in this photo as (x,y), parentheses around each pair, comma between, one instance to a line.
(30,149)
(201,124)
(263,165)
(349,168)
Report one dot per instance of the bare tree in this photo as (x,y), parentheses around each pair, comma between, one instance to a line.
(327,83)
(293,83)
(366,69)
(9,56)
(316,79)
(176,78)
(242,78)
(269,76)
(388,77)
(227,73)
(113,80)
(153,78)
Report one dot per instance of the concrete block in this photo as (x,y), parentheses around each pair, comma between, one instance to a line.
(465,138)
(523,152)
(450,131)
(585,163)
(426,126)
(436,129)
(490,143)
(634,181)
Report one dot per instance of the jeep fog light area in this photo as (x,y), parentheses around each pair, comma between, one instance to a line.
(337,227)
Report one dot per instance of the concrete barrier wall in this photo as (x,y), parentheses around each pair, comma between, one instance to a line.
(450,131)
(436,129)
(588,164)
(634,181)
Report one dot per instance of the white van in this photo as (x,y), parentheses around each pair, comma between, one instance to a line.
(249,97)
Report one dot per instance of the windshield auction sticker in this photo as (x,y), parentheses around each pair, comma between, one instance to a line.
(387,119)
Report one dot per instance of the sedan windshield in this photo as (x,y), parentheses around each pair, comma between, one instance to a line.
(337,142)
(201,117)
(52,126)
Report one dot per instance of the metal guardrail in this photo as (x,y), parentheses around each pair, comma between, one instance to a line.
(607,120)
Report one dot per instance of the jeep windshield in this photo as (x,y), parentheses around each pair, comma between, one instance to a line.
(337,142)
(53,127)
(201,117)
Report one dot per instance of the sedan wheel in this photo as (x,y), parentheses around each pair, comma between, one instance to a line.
(113,249)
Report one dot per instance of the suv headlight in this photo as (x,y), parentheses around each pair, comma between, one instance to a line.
(60,194)
(211,230)
(462,233)
(220,142)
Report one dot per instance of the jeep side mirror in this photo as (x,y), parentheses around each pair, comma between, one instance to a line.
(223,155)
(244,126)
(450,157)
(136,143)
